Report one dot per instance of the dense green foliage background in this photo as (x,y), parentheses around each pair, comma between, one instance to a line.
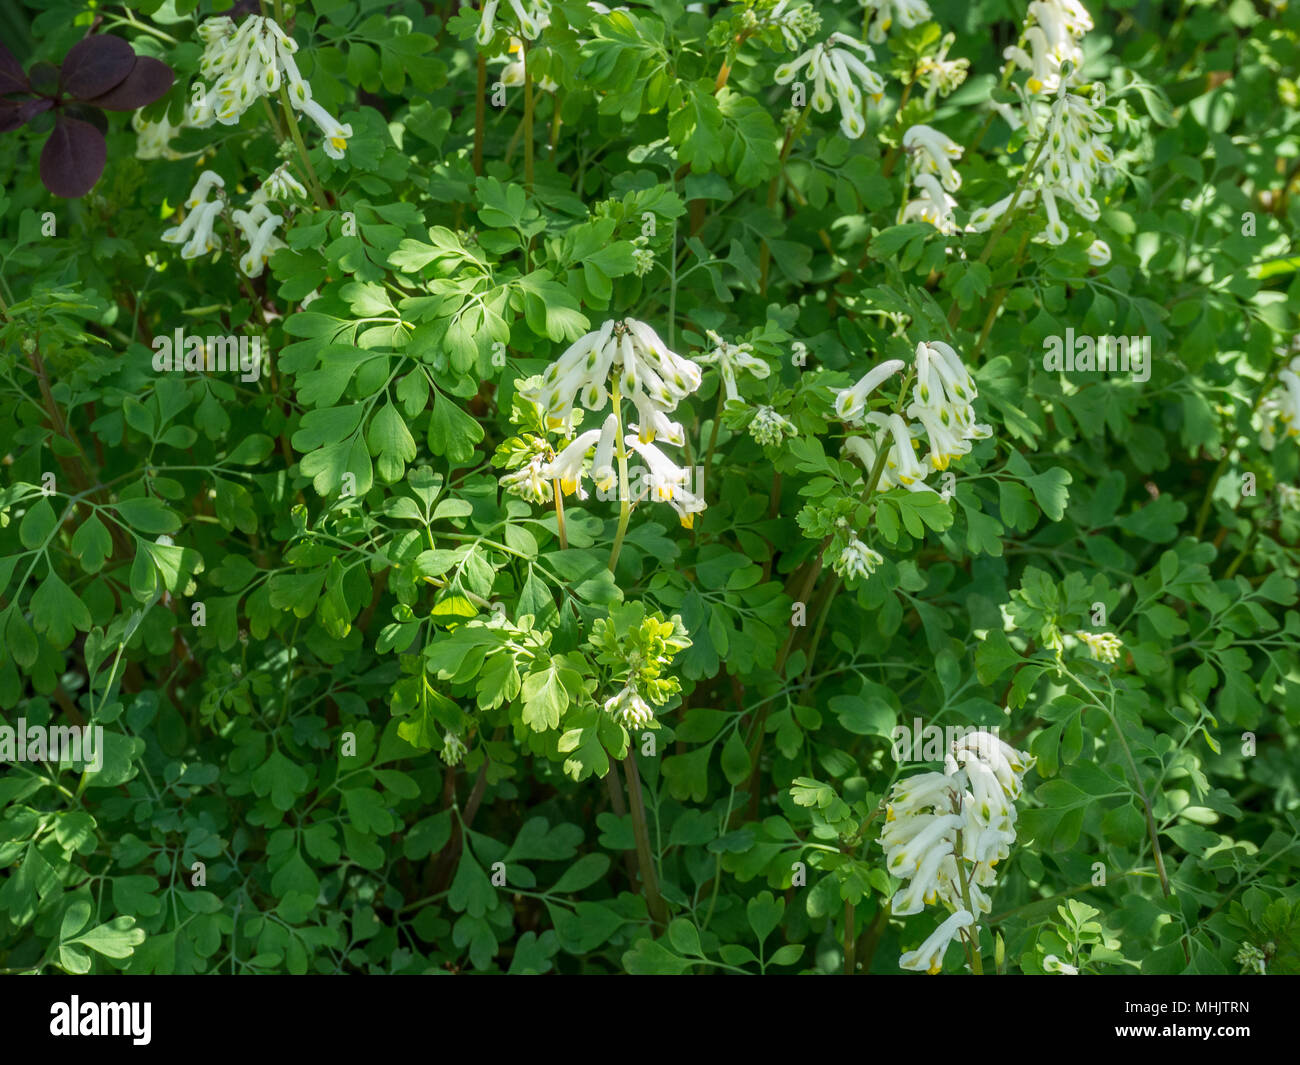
(368,588)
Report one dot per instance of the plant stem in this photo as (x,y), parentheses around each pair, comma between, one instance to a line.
(559,516)
(528,121)
(850,941)
(624,492)
(649,881)
(480,114)
(295,134)
(976,961)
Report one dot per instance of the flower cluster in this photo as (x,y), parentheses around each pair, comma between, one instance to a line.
(945,832)
(453,749)
(1052,35)
(1074,159)
(931,154)
(796,22)
(643,371)
(732,360)
(939,74)
(532,19)
(840,75)
(153,139)
(1282,404)
(909,13)
(257,224)
(941,410)
(769,427)
(195,233)
(639,649)
(856,559)
(248,63)
(1103,646)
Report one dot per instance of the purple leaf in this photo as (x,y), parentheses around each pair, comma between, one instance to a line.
(14,113)
(12,78)
(73,158)
(149,80)
(95,64)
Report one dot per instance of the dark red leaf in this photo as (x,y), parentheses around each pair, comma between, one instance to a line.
(150,80)
(43,77)
(95,64)
(73,158)
(14,113)
(12,78)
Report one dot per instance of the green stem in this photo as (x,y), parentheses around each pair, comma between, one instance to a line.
(295,134)
(649,880)
(624,492)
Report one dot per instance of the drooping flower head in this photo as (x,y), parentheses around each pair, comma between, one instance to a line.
(839,71)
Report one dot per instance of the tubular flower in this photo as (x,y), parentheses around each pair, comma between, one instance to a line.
(532,18)
(650,375)
(1282,404)
(195,232)
(909,13)
(1053,33)
(570,465)
(530,482)
(153,139)
(248,63)
(797,22)
(934,205)
(732,360)
(1053,964)
(280,184)
(856,560)
(939,74)
(453,749)
(934,154)
(666,482)
(1099,253)
(840,75)
(629,709)
(770,428)
(941,402)
(851,403)
(934,820)
(1104,646)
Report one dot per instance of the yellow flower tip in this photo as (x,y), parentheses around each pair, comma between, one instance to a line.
(567,486)
(688,521)
(554,423)
(1034,85)
(339,142)
(936,968)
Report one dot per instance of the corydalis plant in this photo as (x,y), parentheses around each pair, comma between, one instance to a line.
(944,833)
(638,649)
(99,73)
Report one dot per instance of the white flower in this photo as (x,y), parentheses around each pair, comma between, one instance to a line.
(629,709)
(732,360)
(530,481)
(1099,253)
(928,957)
(1055,29)
(941,403)
(666,482)
(839,75)
(336,135)
(196,231)
(934,153)
(909,13)
(650,375)
(857,560)
(770,428)
(1282,404)
(532,19)
(939,74)
(249,63)
(1104,646)
(453,749)
(933,821)
(797,22)
(153,140)
(934,205)
(282,185)
(570,465)
(850,403)
(1289,496)
(1053,964)
(262,245)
